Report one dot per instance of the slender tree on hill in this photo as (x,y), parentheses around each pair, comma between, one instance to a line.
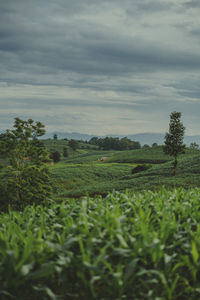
(65,152)
(174,138)
(55,156)
(73,144)
(55,137)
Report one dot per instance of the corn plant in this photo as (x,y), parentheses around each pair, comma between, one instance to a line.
(124,246)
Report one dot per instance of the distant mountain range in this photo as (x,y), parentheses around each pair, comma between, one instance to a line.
(143,138)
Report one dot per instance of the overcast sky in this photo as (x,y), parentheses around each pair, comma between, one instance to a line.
(100,67)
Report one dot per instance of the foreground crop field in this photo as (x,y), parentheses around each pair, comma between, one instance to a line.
(125,246)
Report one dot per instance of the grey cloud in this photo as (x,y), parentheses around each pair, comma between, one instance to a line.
(147,6)
(195,31)
(72,44)
(192,4)
(50,47)
(110,56)
(188,88)
(46,104)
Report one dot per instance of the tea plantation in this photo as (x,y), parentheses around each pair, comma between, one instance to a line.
(121,228)
(141,245)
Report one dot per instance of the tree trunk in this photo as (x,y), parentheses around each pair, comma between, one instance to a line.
(175,165)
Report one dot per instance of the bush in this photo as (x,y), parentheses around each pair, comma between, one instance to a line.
(140,168)
(65,152)
(55,156)
(31,186)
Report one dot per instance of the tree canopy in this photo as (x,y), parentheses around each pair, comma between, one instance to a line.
(115,143)
(174,138)
(73,144)
(25,176)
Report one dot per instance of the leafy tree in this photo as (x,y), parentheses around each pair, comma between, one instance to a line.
(73,144)
(115,143)
(55,156)
(145,146)
(154,145)
(174,138)
(55,137)
(25,178)
(194,145)
(65,152)
(135,145)
(94,140)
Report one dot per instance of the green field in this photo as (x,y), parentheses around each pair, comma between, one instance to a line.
(107,233)
(125,246)
(83,174)
(76,180)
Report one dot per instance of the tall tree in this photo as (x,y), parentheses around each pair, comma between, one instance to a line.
(65,152)
(55,137)
(55,156)
(174,138)
(73,144)
(25,177)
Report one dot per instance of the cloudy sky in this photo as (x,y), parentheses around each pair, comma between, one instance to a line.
(100,66)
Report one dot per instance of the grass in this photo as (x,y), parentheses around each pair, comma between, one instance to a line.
(125,246)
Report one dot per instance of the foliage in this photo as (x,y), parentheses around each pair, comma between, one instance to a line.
(194,145)
(81,179)
(147,155)
(145,146)
(88,156)
(65,152)
(111,143)
(140,168)
(174,138)
(55,136)
(73,144)
(55,156)
(26,178)
(55,145)
(85,175)
(154,145)
(125,246)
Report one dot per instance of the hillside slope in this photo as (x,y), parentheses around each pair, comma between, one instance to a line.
(76,180)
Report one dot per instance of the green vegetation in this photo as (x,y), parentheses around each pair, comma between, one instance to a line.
(150,155)
(125,246)
(111,143)
(55,156)
(174,138)
(89,156)
(84,173)
(73,144)
(25,177)
(137,238)
(76,180)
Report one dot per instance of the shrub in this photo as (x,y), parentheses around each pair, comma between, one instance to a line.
(140,168)
(55,156)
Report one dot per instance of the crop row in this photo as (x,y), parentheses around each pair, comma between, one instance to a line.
(125,246)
